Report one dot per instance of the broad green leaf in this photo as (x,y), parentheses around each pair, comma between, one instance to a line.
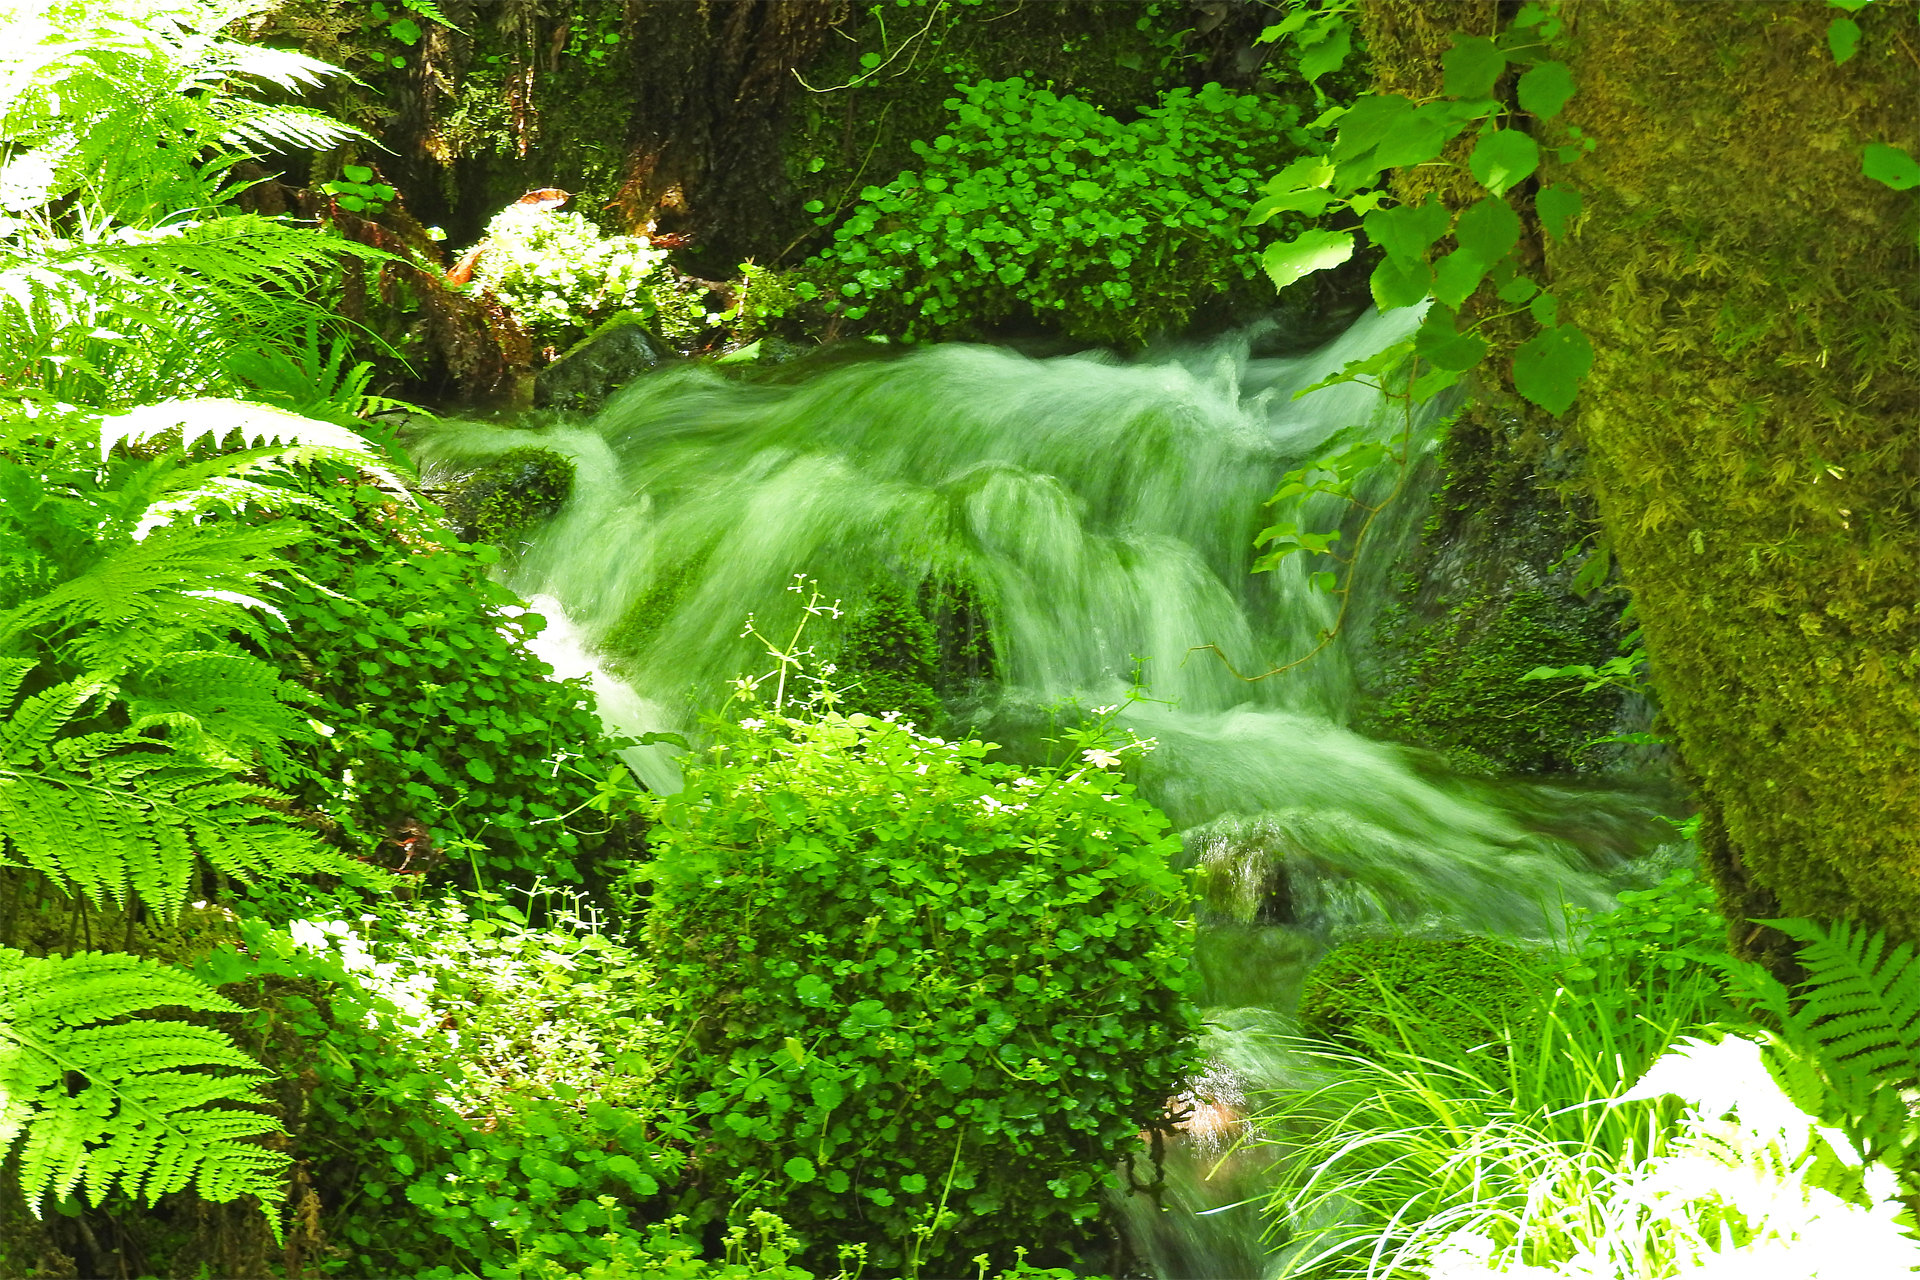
(1544,89)
(1307,171)
(1417,139)
(1084,190)
(1545,309)
(1407,231)
(1307,253)
(1444,347)
(1890,166)
(1457,275)
(1848,6)
(1312,202)
(1557,206)
(1503,159)
(1488,230)
(1548,367)
(1371,119)
(1843,38)
(800,1169)
(1470,67)
(1518,289)
(1327,55)
(1397,282)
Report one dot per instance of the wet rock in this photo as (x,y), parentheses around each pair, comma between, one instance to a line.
(607,359)
(509,494)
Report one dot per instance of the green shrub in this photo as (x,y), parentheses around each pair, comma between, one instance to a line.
(449,741)
(1037,204)
(475,1088)
(922,993)
(510,493)
(559,275)
(1465,990)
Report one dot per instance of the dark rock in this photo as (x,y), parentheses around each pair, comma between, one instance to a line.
(609,358)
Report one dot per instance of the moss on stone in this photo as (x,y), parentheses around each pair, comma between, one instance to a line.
(627,641)
(1465,989)
(509,494)
(1456,683)
(911,650)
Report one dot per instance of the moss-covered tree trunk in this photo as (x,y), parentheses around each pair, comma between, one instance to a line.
(1753,424)
(1752,420)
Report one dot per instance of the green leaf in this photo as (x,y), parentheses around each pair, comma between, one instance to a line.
(1548,367)
(1488,230)
(1397,283)
(1502,159)
(1417,139)
(1457,275)
(1312,202)
(480,770)
(405,30)
(1556,206)
(1307,253)
(1446,349)
(1470,67)
(1890,166)
(1084,190)
(1327,55)
(1371,119)
(1843,38)
(1518,289)
(1545,88)
(1407,231)
(800,1169)
(1545,309)
(355,172)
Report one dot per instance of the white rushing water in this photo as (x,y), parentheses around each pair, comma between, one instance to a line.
(1103,514)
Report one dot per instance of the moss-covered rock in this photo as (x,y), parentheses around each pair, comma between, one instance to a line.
(607,359)
(913,651)
(510,493)
(1464,989)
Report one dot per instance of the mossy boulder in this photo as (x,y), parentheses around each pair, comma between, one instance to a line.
(1465,990)
(510,493)
(600,364)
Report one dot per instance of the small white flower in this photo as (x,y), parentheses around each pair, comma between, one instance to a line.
(1100,758)
(753,722)
(1098,835)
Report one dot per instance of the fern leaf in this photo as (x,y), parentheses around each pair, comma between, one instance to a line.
(306,439)
(34,724)
(121,815)
(143,1107)
(1862,1000)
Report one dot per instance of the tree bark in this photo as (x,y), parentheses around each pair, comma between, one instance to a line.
(1752,420)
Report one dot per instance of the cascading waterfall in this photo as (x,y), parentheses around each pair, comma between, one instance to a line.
(1103,514)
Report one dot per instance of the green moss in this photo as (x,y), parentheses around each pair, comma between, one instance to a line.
(1456,682)
(1750,419)
(511,493)
(628,639)
(1464,989)
(912,651)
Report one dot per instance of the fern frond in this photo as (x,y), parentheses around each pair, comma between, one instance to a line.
(142,1107)
(186,580)
(1857,1027)
(228,707)
(121,815)
(1862,999)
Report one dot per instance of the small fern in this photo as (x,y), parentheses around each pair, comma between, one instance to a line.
(97,1104)
(1849,1048)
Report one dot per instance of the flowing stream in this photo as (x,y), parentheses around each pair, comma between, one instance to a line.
(1103,515)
